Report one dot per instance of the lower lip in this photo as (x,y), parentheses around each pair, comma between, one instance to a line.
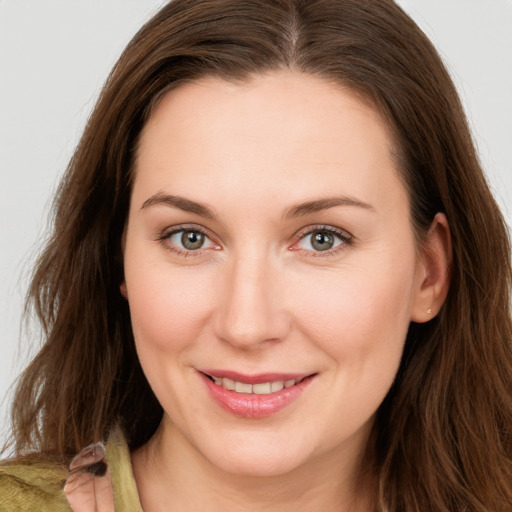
(248,405)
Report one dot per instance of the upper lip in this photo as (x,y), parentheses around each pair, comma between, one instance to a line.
(259,378)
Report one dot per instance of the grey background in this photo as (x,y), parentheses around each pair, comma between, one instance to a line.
(56,54)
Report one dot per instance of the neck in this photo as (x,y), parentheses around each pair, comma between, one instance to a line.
(172,475)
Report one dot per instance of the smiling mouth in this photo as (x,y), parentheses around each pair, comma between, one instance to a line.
(263,388)
(254,396)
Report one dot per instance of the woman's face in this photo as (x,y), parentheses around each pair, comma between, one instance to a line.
(269,248)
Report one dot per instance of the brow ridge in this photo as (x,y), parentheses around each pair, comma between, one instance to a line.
(179,202)
(295,211)
(318,205)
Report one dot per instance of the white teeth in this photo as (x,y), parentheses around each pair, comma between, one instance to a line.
(263,388)
(227,384)
(242,387)
(277,386)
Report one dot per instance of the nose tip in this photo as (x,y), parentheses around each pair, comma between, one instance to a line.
(250,310)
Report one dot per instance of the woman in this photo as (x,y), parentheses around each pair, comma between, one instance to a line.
(277,280)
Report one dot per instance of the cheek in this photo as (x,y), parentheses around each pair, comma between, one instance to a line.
(359,318)
(360,323)
(168,313)
(168,309)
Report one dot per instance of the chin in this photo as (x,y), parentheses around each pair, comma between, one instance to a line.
(268,459)
(257,466)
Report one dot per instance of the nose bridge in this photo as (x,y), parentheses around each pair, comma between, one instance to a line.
(250,310)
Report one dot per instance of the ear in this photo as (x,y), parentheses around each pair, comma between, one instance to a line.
(433,272)
(122,286)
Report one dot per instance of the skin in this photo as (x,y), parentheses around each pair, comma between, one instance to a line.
(258,297)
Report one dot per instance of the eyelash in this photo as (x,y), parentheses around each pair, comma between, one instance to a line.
(346,239)
(165,237)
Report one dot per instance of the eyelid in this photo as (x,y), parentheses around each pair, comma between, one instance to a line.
(346,238)
(166,234)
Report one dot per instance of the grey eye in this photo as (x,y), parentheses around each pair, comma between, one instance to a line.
(322,241)
(188,239)
(192,240)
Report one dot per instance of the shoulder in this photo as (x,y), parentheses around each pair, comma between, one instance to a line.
(27,486)
(126,496)
(31,486)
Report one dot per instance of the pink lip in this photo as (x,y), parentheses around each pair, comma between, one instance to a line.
(248,405)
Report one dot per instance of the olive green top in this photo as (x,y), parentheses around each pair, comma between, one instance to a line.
(30,487)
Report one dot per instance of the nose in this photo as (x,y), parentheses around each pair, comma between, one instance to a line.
(250,311)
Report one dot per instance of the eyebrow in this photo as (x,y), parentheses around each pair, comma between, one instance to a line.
(299,210)
(182,203)
(318,205)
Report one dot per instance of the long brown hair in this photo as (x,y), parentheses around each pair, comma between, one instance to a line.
(443,436)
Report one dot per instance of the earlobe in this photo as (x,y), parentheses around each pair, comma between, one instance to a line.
(122,288)
(434,272)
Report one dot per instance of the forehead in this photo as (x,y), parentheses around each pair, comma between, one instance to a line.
(271,131)
(270,92)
